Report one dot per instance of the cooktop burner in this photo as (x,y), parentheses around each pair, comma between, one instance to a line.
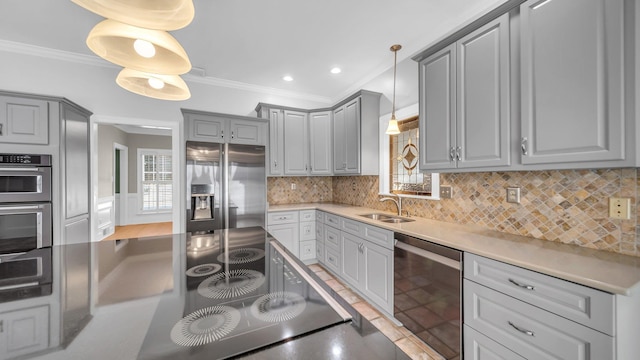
(227,285)
(205,325)
(242,256)
(203,270)
(255,295)
(278,306)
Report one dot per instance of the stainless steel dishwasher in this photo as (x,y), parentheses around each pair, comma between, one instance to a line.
(427,292)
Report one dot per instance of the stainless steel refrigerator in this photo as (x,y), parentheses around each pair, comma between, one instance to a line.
(226,186)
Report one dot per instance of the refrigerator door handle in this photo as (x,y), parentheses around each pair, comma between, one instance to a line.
(225,186)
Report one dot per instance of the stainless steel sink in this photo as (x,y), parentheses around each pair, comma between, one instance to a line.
(377,216)
(387,218)
(396,220)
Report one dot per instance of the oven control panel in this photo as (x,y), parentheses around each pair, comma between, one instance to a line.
(18,159)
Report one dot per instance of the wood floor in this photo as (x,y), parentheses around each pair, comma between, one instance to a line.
(141,230)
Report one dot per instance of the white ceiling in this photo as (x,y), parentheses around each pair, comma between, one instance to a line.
(256,42)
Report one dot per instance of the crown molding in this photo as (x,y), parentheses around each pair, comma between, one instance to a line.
(49,53)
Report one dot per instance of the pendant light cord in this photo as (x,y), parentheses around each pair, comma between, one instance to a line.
(395,49)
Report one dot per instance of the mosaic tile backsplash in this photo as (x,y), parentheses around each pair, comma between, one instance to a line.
(567,206)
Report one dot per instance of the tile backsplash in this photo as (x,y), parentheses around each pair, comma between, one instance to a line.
(567,206)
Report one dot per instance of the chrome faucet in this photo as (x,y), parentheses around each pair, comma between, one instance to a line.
(398,203)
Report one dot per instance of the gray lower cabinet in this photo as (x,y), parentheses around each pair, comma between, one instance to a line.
(24,120)
(508,309)
(284,226)
(464,99)
(24,331)
(573,101)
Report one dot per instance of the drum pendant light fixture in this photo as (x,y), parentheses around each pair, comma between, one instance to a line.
(147,50)
(149,14)
(164,87)
(393,129)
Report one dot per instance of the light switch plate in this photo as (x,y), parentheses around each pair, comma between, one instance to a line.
(513,195)
(446,192)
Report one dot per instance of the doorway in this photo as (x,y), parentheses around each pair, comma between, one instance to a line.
(120,183)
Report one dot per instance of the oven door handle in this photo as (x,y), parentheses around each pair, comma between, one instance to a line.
(21,169)
(18,286)
(429,255)
(14,208)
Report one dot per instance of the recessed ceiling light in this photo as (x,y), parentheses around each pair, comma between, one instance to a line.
(287,78)
(336,70)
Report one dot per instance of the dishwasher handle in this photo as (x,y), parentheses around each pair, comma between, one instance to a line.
(455,264)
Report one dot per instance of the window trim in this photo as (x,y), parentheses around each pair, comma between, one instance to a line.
(139,165)
(384,171)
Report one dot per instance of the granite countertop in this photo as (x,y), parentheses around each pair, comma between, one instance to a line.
(606,271)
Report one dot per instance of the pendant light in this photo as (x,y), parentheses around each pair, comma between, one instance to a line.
(164,87)
(146,50)
(393,129)
(150,14)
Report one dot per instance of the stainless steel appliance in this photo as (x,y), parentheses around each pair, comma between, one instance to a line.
(25,275)
(25,203)
(25,178)
(226,185)
(427,292)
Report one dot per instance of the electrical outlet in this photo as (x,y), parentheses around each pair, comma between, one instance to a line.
(513,195)
(619,208)
(293,186)
(446,191)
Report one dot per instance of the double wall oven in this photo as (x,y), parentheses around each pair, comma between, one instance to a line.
(25,226)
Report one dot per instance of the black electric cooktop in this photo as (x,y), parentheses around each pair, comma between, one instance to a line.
(239,294)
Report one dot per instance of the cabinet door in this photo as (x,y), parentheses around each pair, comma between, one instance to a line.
(307,250)
(572,80)
(287,235)
(351,269)
(482,102)
(438,110)
(480,347)
(247,132)
(24,121)
(352,137)
(307,230)
(378,275)
(276,142)
(75,153)
(320,143)
(205,128)
(24,331)
(339,141)
(296,145)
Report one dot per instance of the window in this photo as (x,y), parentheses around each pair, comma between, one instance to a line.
(155,180)
(399,172)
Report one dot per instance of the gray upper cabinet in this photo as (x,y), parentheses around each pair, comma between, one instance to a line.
(324,142)
(296,140)
(464,101)
(221,128)
(573,106)
(320,141)
(24,120)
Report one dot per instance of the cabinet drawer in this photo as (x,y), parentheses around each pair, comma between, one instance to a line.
(307,230)
(319,232)
(307,250)
(320,216)
(587,306)
(480,347)
(320,252)
(530,331)
(332,259)
(368,232)
(331,237)
(282,217)
(308,215)
(332,220)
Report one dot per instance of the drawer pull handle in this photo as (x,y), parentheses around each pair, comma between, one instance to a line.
(528,287)
(526,332)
